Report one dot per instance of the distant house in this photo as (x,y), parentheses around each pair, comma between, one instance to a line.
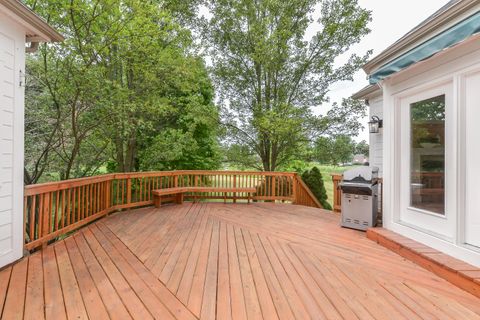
(359,159)
(426,89)
(20,31)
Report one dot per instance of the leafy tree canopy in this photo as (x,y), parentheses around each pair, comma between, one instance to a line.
(334,150)
(127,90)
(269,76)
(362,148)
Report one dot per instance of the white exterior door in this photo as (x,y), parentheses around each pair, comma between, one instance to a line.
(427,161)
(472,159)
(12,60)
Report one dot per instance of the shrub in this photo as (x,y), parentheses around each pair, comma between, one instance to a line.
(314,180)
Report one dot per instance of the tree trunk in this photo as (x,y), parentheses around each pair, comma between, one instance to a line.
(119,154)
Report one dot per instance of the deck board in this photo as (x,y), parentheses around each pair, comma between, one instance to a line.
(15,299)
(34,291)
(225,261)
(4,283)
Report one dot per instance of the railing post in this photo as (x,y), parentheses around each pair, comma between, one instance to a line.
(175,181)
(129,190)
(337,194)
(294,189)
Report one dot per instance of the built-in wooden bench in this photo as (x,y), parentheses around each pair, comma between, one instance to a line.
(180,191)
(460,273)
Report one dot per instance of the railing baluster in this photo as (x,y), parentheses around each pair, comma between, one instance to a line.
(32,221)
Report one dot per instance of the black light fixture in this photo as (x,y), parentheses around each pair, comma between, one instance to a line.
(375,124)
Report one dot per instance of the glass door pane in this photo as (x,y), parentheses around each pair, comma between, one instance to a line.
(427,155)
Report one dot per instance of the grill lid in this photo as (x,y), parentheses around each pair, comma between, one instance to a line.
(360,175)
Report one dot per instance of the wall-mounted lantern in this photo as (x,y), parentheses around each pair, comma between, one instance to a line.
(375,124)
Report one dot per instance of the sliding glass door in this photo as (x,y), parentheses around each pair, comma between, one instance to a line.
(427,161)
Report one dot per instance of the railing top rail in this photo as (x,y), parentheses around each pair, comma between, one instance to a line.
(200,172)
(65,184)
(72,183)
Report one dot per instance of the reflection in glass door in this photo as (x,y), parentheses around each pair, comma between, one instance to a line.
(427,155)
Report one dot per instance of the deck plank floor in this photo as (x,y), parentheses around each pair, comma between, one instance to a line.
(225,261)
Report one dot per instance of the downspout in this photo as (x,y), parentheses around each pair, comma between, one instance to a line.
(33,47)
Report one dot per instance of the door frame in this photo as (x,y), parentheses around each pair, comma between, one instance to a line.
(444,226)
(462,158)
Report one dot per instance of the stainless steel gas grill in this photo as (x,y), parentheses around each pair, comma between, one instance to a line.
(359,198)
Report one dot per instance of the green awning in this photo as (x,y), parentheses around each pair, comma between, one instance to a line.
(446,39)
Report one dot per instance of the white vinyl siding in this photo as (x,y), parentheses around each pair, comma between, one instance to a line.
(7,78)
(376,139)
(12,60)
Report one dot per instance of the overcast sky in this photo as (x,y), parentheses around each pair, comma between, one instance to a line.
(391,19)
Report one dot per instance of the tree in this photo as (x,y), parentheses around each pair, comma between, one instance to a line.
(123,91)
(362,148)
(323,150)
(314,180)
(269,77)
(334,150)
(343,149)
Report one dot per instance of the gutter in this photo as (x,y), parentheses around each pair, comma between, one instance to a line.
(367,92)
(428,30)
(33,47)
(442,41)
(32,22)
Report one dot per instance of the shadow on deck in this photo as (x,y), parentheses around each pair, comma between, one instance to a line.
(225,261)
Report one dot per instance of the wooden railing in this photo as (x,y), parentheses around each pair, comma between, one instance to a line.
(54,209)
(337,192)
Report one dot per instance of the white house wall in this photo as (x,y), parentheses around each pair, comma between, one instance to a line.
(458,68)
(12,60)
(376,139)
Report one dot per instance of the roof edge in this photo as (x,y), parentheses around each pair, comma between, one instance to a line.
(367,92)
(418,33)
(31,18)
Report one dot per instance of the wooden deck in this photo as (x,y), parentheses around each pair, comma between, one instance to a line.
(225,261)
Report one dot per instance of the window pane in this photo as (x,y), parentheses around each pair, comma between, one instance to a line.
(428,155)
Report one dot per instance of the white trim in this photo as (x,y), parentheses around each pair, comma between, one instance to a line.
(29,29)
(439,224)
(452,67)
(454,250)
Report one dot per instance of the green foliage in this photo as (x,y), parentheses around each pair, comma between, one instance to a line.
(125,91)
(362,148)
(297,166)
(269,76)
(429,110)
(314,180)
(334,150)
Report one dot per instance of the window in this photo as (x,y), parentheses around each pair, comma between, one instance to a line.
(427,155)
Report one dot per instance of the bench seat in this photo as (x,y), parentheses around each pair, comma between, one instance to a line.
(179,191)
